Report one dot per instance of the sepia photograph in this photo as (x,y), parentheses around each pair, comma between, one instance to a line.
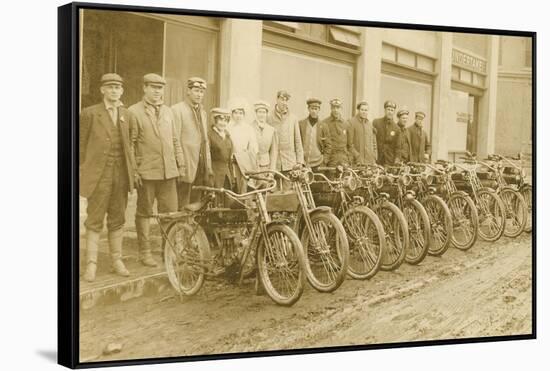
(263,184)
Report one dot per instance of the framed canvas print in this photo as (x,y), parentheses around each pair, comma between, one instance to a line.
(241,185)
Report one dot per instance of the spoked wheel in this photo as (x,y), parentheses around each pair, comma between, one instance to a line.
(492,215)
(366,242)
(465,221)
(419,231)
(527,193)
(280,265)
(441,223)
(186,257)
(396,234)
(326,254)
(516,212)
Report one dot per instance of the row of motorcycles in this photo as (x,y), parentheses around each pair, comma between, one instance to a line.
(321,226)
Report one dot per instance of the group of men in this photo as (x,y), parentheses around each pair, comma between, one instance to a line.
(163,151)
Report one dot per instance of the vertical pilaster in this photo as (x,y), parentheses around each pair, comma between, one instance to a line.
(488,102)
(369,66)
(441,108)
(241,52)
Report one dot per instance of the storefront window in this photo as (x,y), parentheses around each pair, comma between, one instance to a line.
(304,77)
(120,42)
(462,131)
(413,95)
(134,45)
(190,52)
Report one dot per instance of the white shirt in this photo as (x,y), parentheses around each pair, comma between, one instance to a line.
(243,137)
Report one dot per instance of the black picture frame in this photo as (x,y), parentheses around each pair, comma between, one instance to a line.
(68,182)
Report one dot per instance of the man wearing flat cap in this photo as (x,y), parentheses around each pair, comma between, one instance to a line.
(404,136)
(387,136)
(192,130)
(107,167)
(362,137)
(420,144)
(266,137)
(159,159)
(290,149)
(311,135)
(335,132)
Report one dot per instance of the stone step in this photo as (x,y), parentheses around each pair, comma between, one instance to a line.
(109,288)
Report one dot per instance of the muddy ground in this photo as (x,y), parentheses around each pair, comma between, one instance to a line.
(485,291)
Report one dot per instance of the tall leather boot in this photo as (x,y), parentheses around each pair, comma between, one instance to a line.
(115,248)
(92,242)
(143,231)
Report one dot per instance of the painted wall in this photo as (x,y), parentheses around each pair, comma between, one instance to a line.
(513,132)
(472,42)
(422,42)
(514,101)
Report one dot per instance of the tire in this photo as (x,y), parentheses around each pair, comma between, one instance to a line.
(327,265)
(516,212)
(419,231)
(492,215)
(186,257)
(396,234)
(527,193)
(366,242)
(441,223)
(281,265)
(465,221)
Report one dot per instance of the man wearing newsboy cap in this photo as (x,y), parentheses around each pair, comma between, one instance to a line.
(159,159)
(387,136)
(335,131)
(287,128)
(310,130)
(107,167)
(404,135)
(192,130)
(420,144)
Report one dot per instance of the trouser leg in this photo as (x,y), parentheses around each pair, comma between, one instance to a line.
(98,204)
(92,243)
(115,248)
(116,216)
(184,194)
(118,200)
(146,198)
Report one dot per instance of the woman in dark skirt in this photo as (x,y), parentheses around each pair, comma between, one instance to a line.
(221,150)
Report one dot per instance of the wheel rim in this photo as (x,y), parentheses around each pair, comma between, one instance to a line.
(463,228)
(515,211)
(324,265)
(183,259)
(364,242)
(527,194)
(416,231)
(491,216)
(281,265)
(393,234)
(438,220)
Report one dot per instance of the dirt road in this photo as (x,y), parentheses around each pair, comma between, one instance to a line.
(482,292)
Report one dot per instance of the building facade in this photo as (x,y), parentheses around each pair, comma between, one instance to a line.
(475,89)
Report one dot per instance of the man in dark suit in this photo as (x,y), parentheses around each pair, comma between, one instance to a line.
(404,136)
(362,136)
(107,168)
(387,136)
(335,131)
(420,144)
